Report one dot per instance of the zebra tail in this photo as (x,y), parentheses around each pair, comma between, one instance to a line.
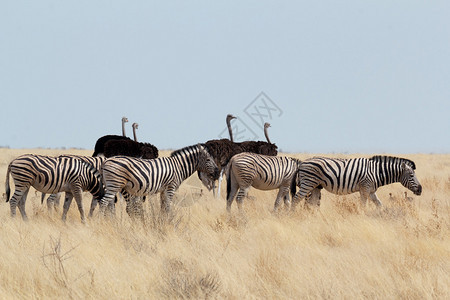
(7,188)
(294,184)
(229,180)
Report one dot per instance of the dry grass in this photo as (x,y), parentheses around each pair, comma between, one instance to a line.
(342,251)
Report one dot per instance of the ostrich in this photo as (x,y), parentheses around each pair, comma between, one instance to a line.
(113,145)
(258,147)
(222,151)
(100,144)
(130,148)
(135,126)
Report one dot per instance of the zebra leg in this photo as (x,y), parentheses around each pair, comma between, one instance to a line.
(220,183)
(231,194)
(77,193)
(94,203)
(53,202)
(22,201)
(313,199)
(300,195)
(240,197)
(295,200)
(134,208)
(57,201)
(282,194)
(66,206)
(163,200)
(167,199)
(375,199)
(364,195)
(17,196)
(108,201)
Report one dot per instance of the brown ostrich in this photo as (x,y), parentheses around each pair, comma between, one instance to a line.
(222,150)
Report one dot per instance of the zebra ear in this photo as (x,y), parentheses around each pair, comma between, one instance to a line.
(403,166)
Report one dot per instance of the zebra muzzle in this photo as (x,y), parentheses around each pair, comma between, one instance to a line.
(418,191)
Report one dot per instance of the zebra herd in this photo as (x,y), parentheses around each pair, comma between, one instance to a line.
(135,178)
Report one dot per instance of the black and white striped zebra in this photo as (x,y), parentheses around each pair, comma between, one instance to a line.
(135,177)
(346,176)
(52,175)
(96,162)
(261,172)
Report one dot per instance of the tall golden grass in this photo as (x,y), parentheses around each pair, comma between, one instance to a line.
(401,251)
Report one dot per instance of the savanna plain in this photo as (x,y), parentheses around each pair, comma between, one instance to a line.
(342,250)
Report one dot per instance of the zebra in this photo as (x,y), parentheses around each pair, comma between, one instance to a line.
(135,177)
(52,175)
(262,172)
(346,176)
(96,162)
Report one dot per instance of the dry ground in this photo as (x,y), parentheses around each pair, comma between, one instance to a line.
(343,251)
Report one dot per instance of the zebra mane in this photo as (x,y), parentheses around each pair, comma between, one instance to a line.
(383,158)
(187,149)
(296,160)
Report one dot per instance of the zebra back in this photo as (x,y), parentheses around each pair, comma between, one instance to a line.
(392,160)
(96,161)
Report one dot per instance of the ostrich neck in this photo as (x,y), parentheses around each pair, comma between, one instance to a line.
(267,135)
(230,130)
(123,128)
(134,134)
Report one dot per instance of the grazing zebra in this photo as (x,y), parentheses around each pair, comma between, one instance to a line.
(52,175)
(346,176)
(96,162)
(135,177)
(262,172)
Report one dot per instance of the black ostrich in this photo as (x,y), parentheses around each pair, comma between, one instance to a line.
(100,144)
(113,145)
(130,148)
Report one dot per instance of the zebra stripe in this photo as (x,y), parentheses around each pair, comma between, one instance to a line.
(346,176)
(52,175)
(135,177)
(261,172)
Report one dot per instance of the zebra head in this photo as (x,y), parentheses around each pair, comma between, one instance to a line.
(409,180)
(208,172)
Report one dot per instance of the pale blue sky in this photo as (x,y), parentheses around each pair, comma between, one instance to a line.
(346,76)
